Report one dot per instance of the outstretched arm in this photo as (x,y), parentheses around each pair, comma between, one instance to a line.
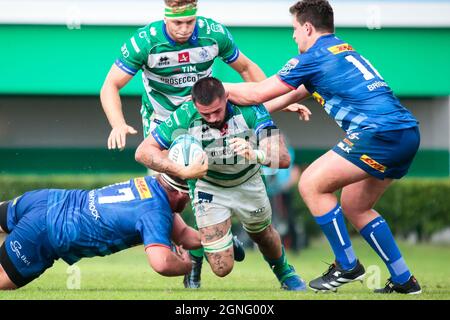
(184,235)
(112,105)
(251,72)
(287,99)
(251,93)
(168,263)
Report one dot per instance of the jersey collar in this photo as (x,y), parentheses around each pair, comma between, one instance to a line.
(230,111)
(318,42)
(193,40)
(324,38)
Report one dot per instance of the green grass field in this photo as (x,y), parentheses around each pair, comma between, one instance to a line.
(126,275)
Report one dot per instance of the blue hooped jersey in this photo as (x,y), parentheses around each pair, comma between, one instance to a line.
(103,221)
(349,88)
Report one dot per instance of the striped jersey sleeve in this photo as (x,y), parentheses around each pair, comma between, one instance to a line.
(177,124)
(133,53)
(228,50)
(257,118)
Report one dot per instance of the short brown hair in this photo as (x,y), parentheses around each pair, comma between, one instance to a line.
(179,3)
(317,12)
(206,90)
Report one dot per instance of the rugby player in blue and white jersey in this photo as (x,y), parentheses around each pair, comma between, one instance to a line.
(48,224)
(382,140)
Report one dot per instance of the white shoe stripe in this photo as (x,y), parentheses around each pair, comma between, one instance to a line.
(416,292)
(326,285)
(336,284)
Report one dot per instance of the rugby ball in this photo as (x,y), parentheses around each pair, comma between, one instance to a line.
(184,149)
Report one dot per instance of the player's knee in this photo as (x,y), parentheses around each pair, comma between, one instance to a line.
(305,186)
(221,263)
(266,237)
(5,281)
(222,272)
(220,254)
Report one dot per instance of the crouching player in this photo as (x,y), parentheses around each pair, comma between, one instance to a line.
(48,224)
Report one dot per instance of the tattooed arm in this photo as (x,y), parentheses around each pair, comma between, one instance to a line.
(152,155)
(271,151)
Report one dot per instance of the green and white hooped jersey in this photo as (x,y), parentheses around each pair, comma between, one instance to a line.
(169,69)
(225,168)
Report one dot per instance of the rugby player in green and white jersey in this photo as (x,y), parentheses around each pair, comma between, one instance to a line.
(226,180)
(173,54)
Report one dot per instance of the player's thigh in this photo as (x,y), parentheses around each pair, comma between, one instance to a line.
(211,204)
(21,206)
(5,281)
(251,205)
(212,212)
(27,252)
(329,173)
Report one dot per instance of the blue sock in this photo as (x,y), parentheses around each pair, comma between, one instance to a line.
(333,225)
(380,238)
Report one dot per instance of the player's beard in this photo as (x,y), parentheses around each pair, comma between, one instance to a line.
(217,125)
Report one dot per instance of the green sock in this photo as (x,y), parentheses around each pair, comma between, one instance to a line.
(197,253)
(280,266)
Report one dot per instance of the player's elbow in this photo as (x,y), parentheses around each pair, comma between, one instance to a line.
(144,149)
(169,268)
(139,154)
(162,267)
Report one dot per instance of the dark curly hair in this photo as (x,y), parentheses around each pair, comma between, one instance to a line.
(206,90)
(317,12)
